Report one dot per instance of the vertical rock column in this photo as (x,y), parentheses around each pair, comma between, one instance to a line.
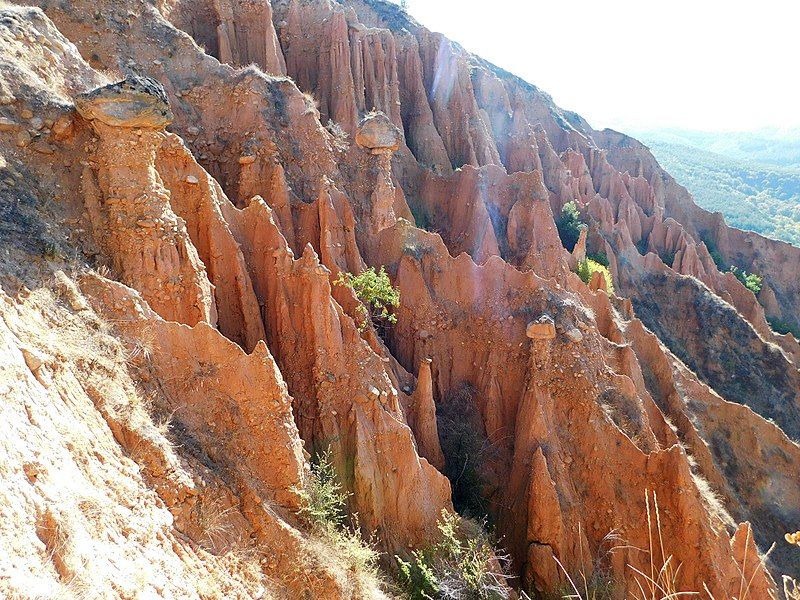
(423,418)
(130,208)
(380,138)
(545,529)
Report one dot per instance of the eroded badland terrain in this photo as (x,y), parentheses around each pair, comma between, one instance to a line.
(196,404)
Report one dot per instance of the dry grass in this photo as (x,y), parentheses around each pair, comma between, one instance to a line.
(312,104)
(745,583)
(659,580)
(214,519)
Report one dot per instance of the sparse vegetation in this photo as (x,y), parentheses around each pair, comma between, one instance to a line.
(751,281)
(599,585)
(667,257)
(463,565)
(589,266)
(598,257)
(324,511)
(324,502)
(569,225)
(341,140)
(465,449)
(379,298)
(312,105)
(780,326)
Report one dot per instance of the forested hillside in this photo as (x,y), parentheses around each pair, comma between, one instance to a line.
(755,196)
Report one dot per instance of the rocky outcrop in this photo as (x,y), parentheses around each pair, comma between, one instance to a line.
(343,397)
(229,233)
(129,206)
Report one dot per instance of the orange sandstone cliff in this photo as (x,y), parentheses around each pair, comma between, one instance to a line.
(177,347)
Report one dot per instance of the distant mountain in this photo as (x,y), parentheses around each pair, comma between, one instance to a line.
(770,146)
(761,193)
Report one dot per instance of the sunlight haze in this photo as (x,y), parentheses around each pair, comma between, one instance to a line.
(625,64)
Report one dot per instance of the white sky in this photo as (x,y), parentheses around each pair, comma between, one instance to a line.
(638,64)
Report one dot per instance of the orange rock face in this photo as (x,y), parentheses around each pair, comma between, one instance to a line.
(668,408)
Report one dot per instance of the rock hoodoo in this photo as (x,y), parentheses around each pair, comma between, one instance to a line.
(182,362)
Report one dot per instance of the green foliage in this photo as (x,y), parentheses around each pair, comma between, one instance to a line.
(465,449)
(782,327)
(715,255)
(324,503)
(756,197)
(598,257)
(417,578)
(668,258)
(751,281)
(569,225)
(460,565)
(589,266)
(377,294)
(718,260)
(324,511)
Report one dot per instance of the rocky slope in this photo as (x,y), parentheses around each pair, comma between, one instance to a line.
(182,184)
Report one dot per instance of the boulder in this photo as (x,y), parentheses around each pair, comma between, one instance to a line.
(133,102)
(543,328)
(378,134)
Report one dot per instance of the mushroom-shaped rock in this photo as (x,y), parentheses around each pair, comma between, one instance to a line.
(133,102)
(378,134)
(543,328)
(135,223)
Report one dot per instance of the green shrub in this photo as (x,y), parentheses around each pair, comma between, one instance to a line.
(324,512)
(751,281)
(465,449)
(589,266)
(782,327)
(461,565)
(599,257)
(569,225)
(668,258)
(718,260)
(715,255)
(324,503)
(377,295)
(417,578)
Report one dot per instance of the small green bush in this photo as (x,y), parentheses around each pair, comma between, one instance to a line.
(324,512)
(668,258)
(782,327)
(715,255)
(589,266)
(569,225)
(324,503)
(599,257)
(417,578)
(718,260)
(379,298)
(751,281)
(460,565)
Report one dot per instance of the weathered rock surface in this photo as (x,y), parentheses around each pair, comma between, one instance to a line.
(226,235)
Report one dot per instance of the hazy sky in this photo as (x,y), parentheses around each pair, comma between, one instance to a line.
(632,64)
